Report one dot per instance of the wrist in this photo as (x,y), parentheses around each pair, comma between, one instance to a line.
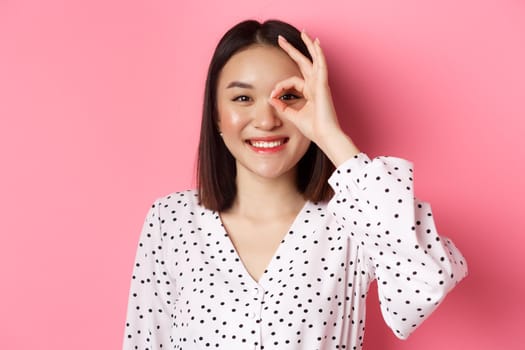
(337,146)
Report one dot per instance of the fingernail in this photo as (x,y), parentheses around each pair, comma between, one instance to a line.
(318,41)
(281,37)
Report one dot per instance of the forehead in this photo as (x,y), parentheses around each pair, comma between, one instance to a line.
(258,65)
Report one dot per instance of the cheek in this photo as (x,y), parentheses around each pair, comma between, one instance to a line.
(305,144)
(230,120)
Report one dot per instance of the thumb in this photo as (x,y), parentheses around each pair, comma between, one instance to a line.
(282,109)
(281,88)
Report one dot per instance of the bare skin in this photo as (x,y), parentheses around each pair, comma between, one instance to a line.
(291,101)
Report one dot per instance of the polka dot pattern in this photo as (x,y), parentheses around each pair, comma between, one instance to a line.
(190,290)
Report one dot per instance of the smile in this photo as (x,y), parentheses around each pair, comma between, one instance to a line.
(267,145)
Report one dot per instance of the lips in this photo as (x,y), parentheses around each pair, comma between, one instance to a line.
(271,144)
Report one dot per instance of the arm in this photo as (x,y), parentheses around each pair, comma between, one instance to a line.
(415,267)
(149,313)
(374,201)
(317,118)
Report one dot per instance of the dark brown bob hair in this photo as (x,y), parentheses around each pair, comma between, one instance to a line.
(216,169)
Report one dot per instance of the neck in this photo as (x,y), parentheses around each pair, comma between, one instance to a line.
(264,198)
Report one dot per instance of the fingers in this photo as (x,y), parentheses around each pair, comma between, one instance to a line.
(295,83)
(320,59)
(279,105)
(314,48)
(305,66)
(309,45)
(292,83)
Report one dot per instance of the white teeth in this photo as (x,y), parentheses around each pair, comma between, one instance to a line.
(265,144)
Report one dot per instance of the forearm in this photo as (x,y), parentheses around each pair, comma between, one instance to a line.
(415,267)
(337,146)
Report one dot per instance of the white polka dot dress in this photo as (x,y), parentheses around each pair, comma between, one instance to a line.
(190,290)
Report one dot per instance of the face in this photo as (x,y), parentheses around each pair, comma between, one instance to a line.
(263,143)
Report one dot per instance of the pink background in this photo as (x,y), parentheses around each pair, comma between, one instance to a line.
(99,115)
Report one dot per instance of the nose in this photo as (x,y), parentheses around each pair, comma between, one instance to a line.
(266,117)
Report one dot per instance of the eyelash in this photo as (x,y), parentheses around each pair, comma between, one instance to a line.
(241,98)
(285,97)
(288,95)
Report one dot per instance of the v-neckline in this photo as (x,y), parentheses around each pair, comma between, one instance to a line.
(282,245)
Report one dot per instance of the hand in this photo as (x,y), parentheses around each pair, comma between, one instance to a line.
(318,113)
(317,118)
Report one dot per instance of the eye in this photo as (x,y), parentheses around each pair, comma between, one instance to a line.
(241,98)
(289,96)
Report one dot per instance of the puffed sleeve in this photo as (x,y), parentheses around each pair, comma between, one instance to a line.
(149,315)
(414,266)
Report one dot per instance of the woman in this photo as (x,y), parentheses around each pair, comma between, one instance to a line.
(290,223)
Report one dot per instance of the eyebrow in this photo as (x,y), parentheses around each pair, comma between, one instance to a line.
(239,84)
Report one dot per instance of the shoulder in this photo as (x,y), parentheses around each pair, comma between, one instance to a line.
(184,198)
(180,212)
(187,200)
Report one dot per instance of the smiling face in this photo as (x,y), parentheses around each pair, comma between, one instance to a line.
(262,143)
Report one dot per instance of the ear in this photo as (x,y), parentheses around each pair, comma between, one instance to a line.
(218,125)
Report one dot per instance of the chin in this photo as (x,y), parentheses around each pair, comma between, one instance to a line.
(272,173)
